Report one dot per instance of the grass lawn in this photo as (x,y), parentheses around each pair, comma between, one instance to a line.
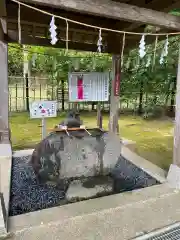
(153,138)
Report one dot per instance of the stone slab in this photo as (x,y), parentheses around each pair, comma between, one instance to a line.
(61,213)
(3,230)
(129,143)
(127,219)
(77,190)
(5,150)
(5,175)
(173,177)
(22,153)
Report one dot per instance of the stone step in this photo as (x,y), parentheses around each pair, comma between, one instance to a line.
(125,214)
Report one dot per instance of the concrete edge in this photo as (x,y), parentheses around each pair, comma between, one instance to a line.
(67,211)
(126,141)
(173,177)
(148,167)
(3,230)
(5,150)
(21,153)
(5,182)
(129,219)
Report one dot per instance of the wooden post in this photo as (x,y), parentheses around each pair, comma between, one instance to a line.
(99,115)
(114,96)
(43,130)
(173,177)
(176,153)
(4,99)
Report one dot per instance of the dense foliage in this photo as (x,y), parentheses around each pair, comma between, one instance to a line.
(147,85)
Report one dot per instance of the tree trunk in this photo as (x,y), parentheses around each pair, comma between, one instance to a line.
(99,115)
(27,92)
(93,105)
(155,99)
(167,93)
(173,90)
(140,108)
(62,92)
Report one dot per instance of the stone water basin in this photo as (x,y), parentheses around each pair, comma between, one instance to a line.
(98,170)
(28,195)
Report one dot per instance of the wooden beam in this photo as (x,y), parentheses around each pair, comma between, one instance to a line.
(163,8)
(12,37)
(172,6)
(157,5)
(30,15)
(3,24)
(41,30)
(2,8)
(2,16)
(13,25)
(113,44)
(115,10)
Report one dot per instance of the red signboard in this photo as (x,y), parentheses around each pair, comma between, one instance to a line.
(117,85)
(80,87)
(117,76)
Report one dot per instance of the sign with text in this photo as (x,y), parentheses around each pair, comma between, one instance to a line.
(87,87)
(43,109)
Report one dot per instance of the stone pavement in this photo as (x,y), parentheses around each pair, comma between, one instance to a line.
(122,216)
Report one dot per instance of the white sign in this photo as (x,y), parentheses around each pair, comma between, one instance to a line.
(43,109)
(86,87)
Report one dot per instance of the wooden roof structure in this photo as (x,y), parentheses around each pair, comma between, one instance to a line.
(125,15)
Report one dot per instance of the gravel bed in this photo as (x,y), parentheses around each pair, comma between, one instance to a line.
(27,194)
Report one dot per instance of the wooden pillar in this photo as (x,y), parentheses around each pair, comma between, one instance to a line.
(173,177)
(176,152)
(27,75)
(114,95)
(4,95)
